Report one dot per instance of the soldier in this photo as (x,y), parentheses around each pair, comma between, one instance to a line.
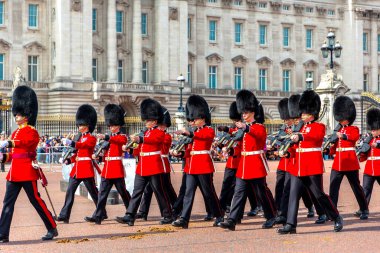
(309,168)
(253,168)
(150,167)
(113,170)
(22,174)
(201,168)
(83,170)
(346,162)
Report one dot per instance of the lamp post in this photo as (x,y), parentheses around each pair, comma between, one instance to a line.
(181,82)
(331,46)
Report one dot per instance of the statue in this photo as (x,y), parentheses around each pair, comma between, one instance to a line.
(18,78)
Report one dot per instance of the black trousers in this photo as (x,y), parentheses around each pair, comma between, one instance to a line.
(157,184)
(70,194)
(104,190)
(206,184)
(368,182)
(315,185)
(11,193)
(228,187)
(336,178)
(148,193)
(259,186)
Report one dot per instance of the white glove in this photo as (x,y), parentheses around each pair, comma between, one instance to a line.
(60,160)
(3,144)
(68,142)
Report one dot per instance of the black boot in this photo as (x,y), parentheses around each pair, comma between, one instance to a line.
(281,220)
(364,215)
(208,217)
(127,219)
(4,238)
(166,220)
(310,212)
(142,216)
(358,213)
(217,221)
(253,212)
(287,229)
(228,224)
(338,224)
(50,234)
(61,218)
(269,223)
(181,223)
(95,220)
(321,219)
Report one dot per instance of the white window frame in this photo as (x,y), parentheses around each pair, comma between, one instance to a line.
(32,68)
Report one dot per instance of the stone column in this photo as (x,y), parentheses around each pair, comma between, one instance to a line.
(161,47)
(86,57)
(374,62)
(111,41)
(136,43)
(183,41)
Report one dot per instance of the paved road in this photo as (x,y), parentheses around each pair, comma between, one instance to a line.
(79,236)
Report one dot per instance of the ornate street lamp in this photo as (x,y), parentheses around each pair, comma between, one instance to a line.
(332,47)
(181,82)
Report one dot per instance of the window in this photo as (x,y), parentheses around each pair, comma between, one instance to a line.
(95,69)
(1,66)
(1,13)
(263,78)
(309,9)
(120,71)
(119,21)
(262,5)
(145,74)
(263,34)
(365,82)
(212,77)
(212,30)
(331,12)
(190,74)
(32,68)
(238,2)
(238,78)
(33,15)
(94,17)
(365,42)
(212,1)
(285,36)
(189,28)
(286,80)
(238,33)
(310,74)
(286,7)
(144,24)
(378,43)
(309,38)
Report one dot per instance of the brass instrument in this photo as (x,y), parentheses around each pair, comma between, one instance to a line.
(131,143)
(70,150)
(287,142)
(364,147)
(332,137)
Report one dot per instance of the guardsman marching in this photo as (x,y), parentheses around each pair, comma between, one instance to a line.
(22,174)
(83,170)
(346,162)
(309,168)
(113,171)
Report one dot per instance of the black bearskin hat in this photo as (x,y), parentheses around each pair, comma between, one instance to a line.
(246,102)
(373,119)
(344,109)
(283,108)
(294,106)
(234,115)
(151,109)
(167,120)
(24,102)
(86,115)
(114,115)
(310,103)
(259,116)
(198,108)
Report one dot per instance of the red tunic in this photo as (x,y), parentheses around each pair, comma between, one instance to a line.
(83,167)
(233,161)
(202,141)
(255,165)
(310,162)
(165,152)
(150,161)
(114,168)
(24,141)
(285,164)
(346,160)
(187,156)
(372,166)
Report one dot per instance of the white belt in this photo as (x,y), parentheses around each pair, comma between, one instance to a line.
(373,158)
(114,158)
(83,159)
(167,156)
(345,149)
(150,153)
(200,152)
(308,149)
(257,152)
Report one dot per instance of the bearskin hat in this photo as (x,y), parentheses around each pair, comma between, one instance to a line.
(167,120)
(86,115)
(198,108)
(344,109)
(151,109)
(246,102)
(259,116)
(24,102)
(234,114)
(283,108)
(294,106)
(310,103)
(373,119)
(114,115)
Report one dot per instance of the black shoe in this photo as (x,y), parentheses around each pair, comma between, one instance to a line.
(181,223)
(60,218)
(269,223)
(338,224)
(50,234)
(364,215)
(217,221)
(228,209)
(310,212)
(95,220)
(208,217)
(142,216)
(358,213)
(228,224)
(4,238)
(253,212)
(321,219)
(104,217)
(166,220)
(287,229)
(127,219)
(280,220)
